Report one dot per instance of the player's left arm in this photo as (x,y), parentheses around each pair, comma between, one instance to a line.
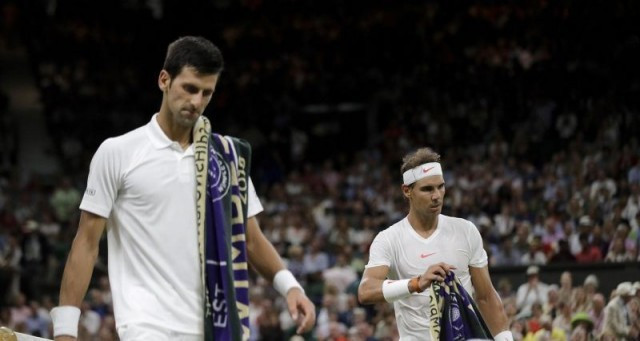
(488,301)
(267,262)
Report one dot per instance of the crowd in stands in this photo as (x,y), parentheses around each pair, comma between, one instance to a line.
(533,106)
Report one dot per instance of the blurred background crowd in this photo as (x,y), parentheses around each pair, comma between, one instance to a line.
(533,106)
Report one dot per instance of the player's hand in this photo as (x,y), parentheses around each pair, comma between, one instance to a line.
(301,309)
(65,338)
(436,272)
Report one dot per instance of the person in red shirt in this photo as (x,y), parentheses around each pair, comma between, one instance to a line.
(590,253)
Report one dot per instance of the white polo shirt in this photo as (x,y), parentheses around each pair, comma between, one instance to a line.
(455,241)
(144,183)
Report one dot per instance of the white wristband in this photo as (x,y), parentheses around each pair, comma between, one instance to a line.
(504,336)
(395,290)
(284,281)
(65,320)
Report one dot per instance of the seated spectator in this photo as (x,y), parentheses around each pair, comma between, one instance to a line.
(295,260)
(534,323)
(505,290)
(341,274)
(566,284)
(532,291)
(564,254)
(65,200)
(617,252)
(579,300)
(590,286)
(563,319)
(616,322)
(506,254)
(37,324)
(535,254)
(585,226)
(20,311)
(579,334)
(316,260)
(589,253)
(546,331)
(550,308)
(597,313)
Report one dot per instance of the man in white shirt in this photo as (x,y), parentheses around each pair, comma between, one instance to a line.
(407,257)
(142,189)
(532,291)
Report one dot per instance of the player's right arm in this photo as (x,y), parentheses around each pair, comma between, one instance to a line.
(80,263)
(376,288)
(370,289)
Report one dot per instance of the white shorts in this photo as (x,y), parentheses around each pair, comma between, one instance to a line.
(146,332)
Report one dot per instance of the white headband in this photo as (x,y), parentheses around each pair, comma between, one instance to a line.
(422,171)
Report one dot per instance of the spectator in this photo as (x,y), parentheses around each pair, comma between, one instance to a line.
(535,255)
(295,261)
(566,284)
(603,188)
(633,175)
(532,291)
(534,323)
(589,253)
(564,254)
(618,253)
(65,200)
(585,226)
(38,321)
(505,290)
(20,311)
(10,258)
(316,260)
(597,313)
(579,300)
(269,323)
(35,247)
(546,332)
(616,314)
(582,321)
(506,254)
(590,287)
(563,319)
(90,321)
(550,308)
(341,274)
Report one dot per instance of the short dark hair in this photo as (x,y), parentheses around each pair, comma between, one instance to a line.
(420,156)
(196,52)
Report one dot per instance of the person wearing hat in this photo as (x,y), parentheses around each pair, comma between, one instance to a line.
(616,315)
(532,291)
(582,320)
(584,227)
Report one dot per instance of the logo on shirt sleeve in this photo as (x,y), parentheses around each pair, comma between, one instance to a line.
(90,191)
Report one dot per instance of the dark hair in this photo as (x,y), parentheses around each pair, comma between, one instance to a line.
(196,52)
(420,156)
